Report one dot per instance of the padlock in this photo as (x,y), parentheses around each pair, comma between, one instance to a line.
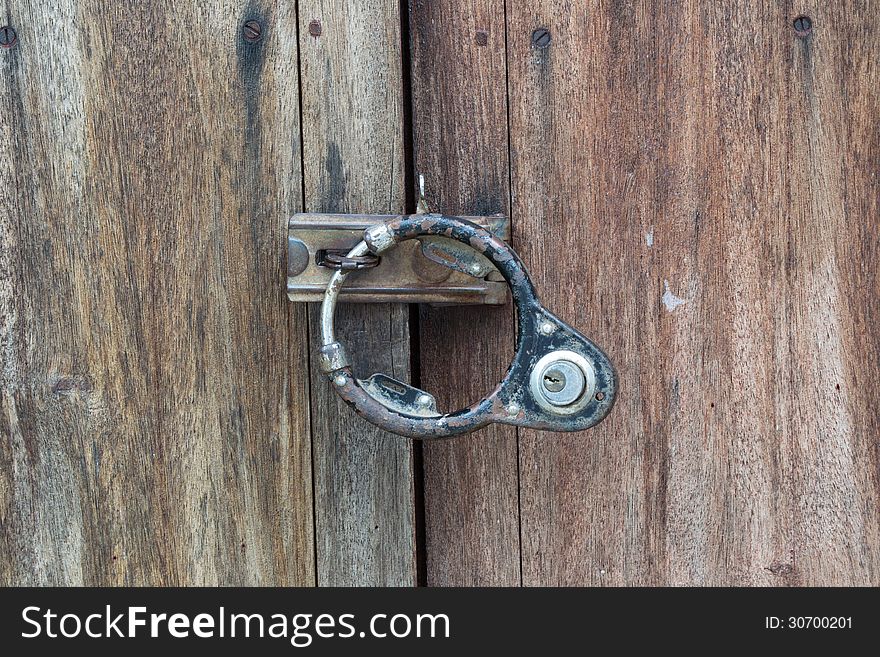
(559,380)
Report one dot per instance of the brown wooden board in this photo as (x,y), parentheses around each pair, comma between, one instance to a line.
(151,432)
(694,186)
(352,104)
(460,143)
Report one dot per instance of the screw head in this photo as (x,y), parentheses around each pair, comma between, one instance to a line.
(547,328)
(512,409)
(252,31)
(8,37)
(541,37)
(802,25)
(423,400)
(315,28)
(482,37)
(339,380)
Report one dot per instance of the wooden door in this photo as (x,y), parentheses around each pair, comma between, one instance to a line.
(693,185)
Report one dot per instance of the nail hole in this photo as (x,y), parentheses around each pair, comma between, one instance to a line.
(802,25)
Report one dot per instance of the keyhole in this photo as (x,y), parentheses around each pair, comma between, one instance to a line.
(560,383)
(554,380)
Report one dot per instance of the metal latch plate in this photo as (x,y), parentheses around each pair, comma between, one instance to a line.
(426,270)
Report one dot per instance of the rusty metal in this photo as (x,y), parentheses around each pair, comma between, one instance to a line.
(252,31)
(400,397)
(315,28)
(457,256)
(339,260)
(407,274)
(8,37)
(545,346)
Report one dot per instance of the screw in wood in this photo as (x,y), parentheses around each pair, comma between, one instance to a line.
(8,37)
(482,37)
(541,37)
(802,25)
(315,28)
(252,31)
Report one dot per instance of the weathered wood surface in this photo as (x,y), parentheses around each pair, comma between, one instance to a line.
(352,91)
(460,143)
(694,186)
(154,428)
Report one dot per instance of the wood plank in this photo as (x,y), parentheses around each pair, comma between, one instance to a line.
(700,179)
(460,143)
(826,200)
(151,433)
(352,103)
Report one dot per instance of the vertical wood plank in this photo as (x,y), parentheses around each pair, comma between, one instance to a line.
(151,431)
(710,174)
(353,162)
(825,146)
(581,161)
(460,143)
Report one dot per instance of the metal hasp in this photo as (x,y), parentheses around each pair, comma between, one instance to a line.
(432,269)
(558,380)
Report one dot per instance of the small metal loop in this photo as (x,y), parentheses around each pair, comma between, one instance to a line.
(340,260)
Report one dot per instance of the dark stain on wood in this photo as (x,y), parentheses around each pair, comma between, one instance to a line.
(250,56)
(335,177)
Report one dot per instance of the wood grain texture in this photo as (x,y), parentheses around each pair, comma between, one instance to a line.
(150,430)
(691,184)
(352,92)
(695,187)
(460,144)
